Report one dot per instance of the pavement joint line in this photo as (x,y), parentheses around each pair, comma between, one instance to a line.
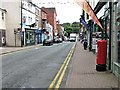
(62,68)
(9,52)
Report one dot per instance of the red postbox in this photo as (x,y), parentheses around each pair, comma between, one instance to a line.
(101,55)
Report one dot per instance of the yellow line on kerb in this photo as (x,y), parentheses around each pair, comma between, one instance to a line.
(63,67)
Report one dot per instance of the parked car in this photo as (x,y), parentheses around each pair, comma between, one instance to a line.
(56,40)
(60,40)
(48,42)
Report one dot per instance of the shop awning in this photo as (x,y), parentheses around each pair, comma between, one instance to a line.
(99,6)
(87,8)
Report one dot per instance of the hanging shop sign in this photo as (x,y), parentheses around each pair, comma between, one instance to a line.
(84,23)
(87,8)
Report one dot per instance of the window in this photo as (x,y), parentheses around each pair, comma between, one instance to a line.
(36,11)
(29,6)
(29,20)
(36,22)
(3,16)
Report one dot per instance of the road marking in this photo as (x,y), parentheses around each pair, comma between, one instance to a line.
(62,70)
(63,73)
(54,80)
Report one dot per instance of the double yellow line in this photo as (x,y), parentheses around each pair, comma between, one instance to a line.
(55,84)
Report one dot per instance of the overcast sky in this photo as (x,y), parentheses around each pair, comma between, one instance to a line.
(67,10)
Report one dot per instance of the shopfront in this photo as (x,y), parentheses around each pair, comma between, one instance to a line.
(111,22)
(108,34)
(117,61)
(38,35)
(118,32)
(2,38)
(29,36)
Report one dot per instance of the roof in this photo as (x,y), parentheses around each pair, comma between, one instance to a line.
(52,9)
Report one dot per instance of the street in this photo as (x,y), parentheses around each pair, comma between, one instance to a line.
(33,68)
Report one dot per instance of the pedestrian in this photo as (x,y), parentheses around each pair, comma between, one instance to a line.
(85,44)
(82,38)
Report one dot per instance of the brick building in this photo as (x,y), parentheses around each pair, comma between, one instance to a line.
(51,18)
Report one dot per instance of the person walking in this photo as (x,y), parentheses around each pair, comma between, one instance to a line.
(85,44)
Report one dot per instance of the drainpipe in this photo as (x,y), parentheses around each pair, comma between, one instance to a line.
(90,38)
(21,26)
(110,5)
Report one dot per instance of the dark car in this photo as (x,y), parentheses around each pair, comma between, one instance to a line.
(56,40)
(47,42)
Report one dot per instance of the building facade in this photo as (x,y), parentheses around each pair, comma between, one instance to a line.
(2,26)
(44,24)
(110,20)
(22,22)
(108,13)
(51,18)
(116,39)
(13,22)
(50,31)
(58,27)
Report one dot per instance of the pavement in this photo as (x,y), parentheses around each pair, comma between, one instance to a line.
(6,50)
(82,72)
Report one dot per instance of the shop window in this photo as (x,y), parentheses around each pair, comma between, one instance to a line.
(118,33)
(36,11)
(118,36)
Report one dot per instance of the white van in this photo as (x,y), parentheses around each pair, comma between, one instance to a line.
(72,37)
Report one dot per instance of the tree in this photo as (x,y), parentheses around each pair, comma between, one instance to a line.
(76,27)
(65,33)
(72,28)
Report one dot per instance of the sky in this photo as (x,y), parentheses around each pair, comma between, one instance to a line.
(67,10)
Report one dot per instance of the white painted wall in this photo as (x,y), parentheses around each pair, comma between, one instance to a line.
(28,14)
(13,20)
(50,30)
(2,22)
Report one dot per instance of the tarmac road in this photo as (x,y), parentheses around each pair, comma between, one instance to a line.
(35,67)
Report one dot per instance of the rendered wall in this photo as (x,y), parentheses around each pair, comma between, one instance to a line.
(13,20)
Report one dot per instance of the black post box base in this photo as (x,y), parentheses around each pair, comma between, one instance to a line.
(101,67)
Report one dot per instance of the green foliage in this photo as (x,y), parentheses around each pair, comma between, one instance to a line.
(72,28)
(65,33)
(66,24)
